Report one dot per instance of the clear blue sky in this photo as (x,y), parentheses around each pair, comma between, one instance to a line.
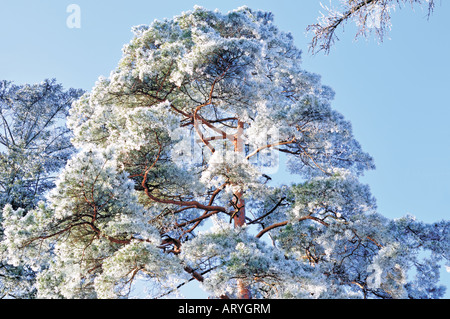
(394,93)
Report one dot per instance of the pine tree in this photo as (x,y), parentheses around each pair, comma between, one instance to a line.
(172,180)
(34,145)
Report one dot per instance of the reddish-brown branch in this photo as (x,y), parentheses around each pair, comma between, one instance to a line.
(281,224)
(200,134)
(216,192)
(68,228)
(265,230)
(170,201)
(165,78)
(270,145)
(374,241)
(231,138)
(305,153)
(269,212)
(180,111)
(197,220)
(54,234)
(196,117)
(207,214)
(184,203)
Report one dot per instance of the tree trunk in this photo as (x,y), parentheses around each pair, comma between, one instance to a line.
(239,217)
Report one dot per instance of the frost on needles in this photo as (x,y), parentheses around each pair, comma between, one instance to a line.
(172,180)
(34,146)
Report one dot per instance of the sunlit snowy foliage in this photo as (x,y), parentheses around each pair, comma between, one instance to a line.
(170,183)
(34,146)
